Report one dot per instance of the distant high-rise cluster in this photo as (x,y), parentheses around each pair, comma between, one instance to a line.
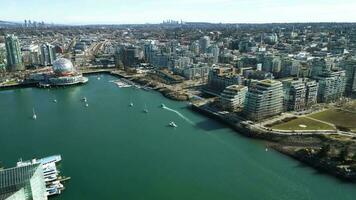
(33,24)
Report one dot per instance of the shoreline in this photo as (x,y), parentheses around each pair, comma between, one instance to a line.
(293,146)
(276,141)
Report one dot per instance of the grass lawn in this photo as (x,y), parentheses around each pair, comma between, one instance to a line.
(303,123)
(337,117)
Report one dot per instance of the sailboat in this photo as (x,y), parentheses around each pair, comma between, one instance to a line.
(34,116)
(145,110)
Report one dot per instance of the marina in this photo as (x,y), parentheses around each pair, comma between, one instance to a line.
(51,174)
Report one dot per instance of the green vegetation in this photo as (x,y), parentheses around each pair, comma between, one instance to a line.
(340,118)
(302,123)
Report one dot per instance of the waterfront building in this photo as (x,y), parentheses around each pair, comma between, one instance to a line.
(48,54)
(64,73)
(23,183)
(196,71)
(221,77)
(349,66)
(331,86)
(233,97)
(263,99)
(14,56)
(299,94)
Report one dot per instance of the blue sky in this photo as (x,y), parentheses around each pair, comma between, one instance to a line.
(154,11)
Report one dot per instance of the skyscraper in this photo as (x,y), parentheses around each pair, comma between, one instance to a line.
(48,54)
(264,99)
(14,57)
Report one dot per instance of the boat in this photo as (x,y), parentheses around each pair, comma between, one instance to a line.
(145,110)
(172,124)
(131,104)
(34,116)
(98,78)
(86,105)
(53,191)
(55,100)
(163,106)
(84,99)
(122,84)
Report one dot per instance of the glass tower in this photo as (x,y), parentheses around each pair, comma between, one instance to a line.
(14,57)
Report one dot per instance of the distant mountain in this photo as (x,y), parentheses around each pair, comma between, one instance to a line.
(7,23)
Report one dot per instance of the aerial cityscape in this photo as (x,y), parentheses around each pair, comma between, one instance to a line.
(149,103)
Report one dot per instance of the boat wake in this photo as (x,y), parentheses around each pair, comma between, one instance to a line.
(179,114)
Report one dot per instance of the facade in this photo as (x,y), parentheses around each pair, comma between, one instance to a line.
(48,54)
(30,55)
(311,95)
(233,97)
(331,86)
(14,56)
(220,78)
(23,183)
(299,94)
(196,71)
(350,69)
(264,99)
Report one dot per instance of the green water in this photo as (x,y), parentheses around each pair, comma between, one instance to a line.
(113,151)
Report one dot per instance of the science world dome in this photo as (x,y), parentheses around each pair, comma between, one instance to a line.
(63,66)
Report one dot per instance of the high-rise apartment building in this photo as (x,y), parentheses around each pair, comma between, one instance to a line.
(14,57)
(264,99)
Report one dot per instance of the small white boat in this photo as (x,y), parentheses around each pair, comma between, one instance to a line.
(84,99)
(86,105)
(131,104)
(98,78)
(34,116)
(172,124)
(163,106)
(145,110)
(55,100)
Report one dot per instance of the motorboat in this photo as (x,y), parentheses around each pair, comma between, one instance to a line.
(34,116)
(172,124)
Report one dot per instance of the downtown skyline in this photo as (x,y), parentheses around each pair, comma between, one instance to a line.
(155,11)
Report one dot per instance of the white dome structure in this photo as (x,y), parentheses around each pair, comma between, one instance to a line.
(63,66)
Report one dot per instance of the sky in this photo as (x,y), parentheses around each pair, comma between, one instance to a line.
(155,11)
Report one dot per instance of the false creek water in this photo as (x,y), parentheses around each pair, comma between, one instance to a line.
(113,151)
